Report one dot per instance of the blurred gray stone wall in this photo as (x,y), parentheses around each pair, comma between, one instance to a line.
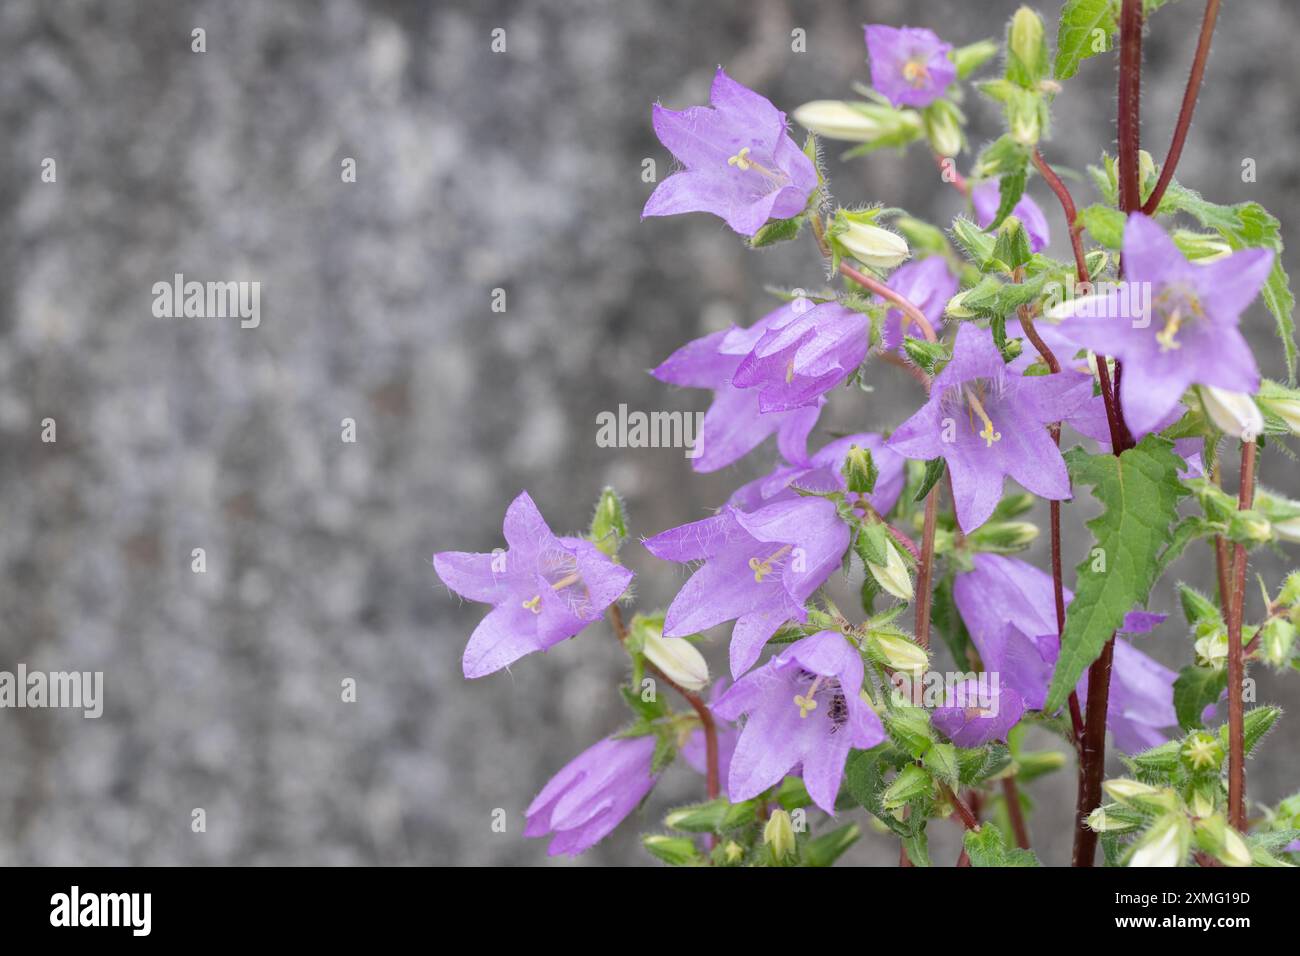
(476,171)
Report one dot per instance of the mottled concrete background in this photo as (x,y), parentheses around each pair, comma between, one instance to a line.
(476,170)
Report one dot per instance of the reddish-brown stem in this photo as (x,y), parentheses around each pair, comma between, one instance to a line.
(1189,106)
(1011,794)
(1236,658)
(916,316)
(963,812)
(1071,213)
(964,859)
(1130,104)
(906,366)
(925,569)
(707,723)
(1093,754)
(1058,576)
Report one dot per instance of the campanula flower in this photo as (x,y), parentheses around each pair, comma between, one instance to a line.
(1173,323)
(987,195)
(740,163)
(592,794)
(759,568)
(1010,611)
(910,66)
(988,422)
(805,352)
(543,589)
(803,713)
(735,424)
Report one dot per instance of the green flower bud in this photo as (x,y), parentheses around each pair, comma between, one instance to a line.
(836,119)
(609,523)
(675,851)
(1215,837)
(1276,641)
(1201,751)
(678,659)
(910,783)
(955,307)
(896,652)
(893,576)
(860,471)
(943,128)
(1290,593)
(1026,49)
(1003,537)
(778,834)
(1233,413)
(1165,844)
(1134,793)
(871,245)
(1105,820)
(1025,118)
(1281,403)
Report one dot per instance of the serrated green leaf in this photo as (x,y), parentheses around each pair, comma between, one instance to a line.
(985,847)
(1075,35)
(941,761)
(1139,491)
(934,469)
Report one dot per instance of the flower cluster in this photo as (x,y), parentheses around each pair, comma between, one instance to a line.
(1133,347)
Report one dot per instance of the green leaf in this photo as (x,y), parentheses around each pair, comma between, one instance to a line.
(864,779)
(777,230)
(985,847)
(1194,690)
(1104,224)
(917,846)
(1139,491)
(974,242)
(675,851)
(1076,37)
(826,849)
(934,469)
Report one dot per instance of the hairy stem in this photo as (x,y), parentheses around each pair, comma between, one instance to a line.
(925,570)
(707,723)
(1011,794)
(915,315)
(1093,752)
(963,812)
(1188,107)
(1236,658)
(1071,213)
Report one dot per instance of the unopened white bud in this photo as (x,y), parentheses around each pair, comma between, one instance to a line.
(678,659)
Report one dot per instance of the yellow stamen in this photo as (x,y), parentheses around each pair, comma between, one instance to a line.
(534,604)
(1166,335)
(988,434)
(763,568)
(916,72)
(807,703)
(742,162)
(564,582)
(789,372)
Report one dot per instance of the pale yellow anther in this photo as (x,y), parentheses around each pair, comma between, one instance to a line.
(806,704)
(739,160)
(987,432)
(534,604)
(916,72)
(789,372)
(1166,335)
(762,567)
